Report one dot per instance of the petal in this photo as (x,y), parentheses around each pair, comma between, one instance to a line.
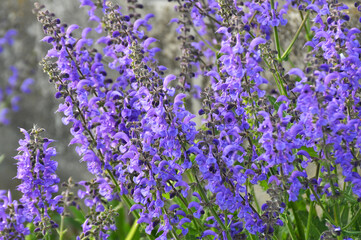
(257,41)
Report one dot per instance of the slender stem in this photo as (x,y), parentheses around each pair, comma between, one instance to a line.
(288,50)
(309,219)
(254,14)
(291,230)
(61,231)
(251,236)
(277,77)
(205,13)
(298,221)
(214,213)
(204,40)
(275,32)
(133,230)
(308,35)
(175,234)
(323,208)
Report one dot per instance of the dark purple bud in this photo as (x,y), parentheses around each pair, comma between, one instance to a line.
(201,112)
(110,42)
(215,142)
(156,222)
(247,28)
(116,34)
(126,18)
(346,17)
(324,67)
(58,95)
(329,20)
(264,207)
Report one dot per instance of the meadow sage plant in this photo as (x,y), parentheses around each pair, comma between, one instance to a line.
(277,164)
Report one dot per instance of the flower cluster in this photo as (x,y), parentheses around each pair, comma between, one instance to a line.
(36,171)
(133,128)
(13,215)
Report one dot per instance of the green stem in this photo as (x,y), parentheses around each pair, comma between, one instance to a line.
(291,230)
(188,211)
(61,231)
(308,35)
(309,219)
(288,50)
(204,40)
(205,13)
(175,234)
(132,231)
(127,200)
(252,236)
(214,213)
(323,208)
(275,31)
(277,78)
(298,222)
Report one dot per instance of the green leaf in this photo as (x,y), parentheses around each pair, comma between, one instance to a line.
(32,236)
(78,215)
(345,214)
(166,195)
(317,227)
(264,185)
(310,151)
(275,104)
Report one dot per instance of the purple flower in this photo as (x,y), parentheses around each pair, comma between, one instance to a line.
(36,170)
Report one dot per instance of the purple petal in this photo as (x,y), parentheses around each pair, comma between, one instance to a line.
(313,7)
(298,72)
(257,41)
(139,22)
(178,98)
(70,29)
(149,16)
(174,20)
(209,232)
(184,220)
(173,207)
(136,207)
(167,80)
(121,135)
(193,204)
(85,32)
(149,41)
